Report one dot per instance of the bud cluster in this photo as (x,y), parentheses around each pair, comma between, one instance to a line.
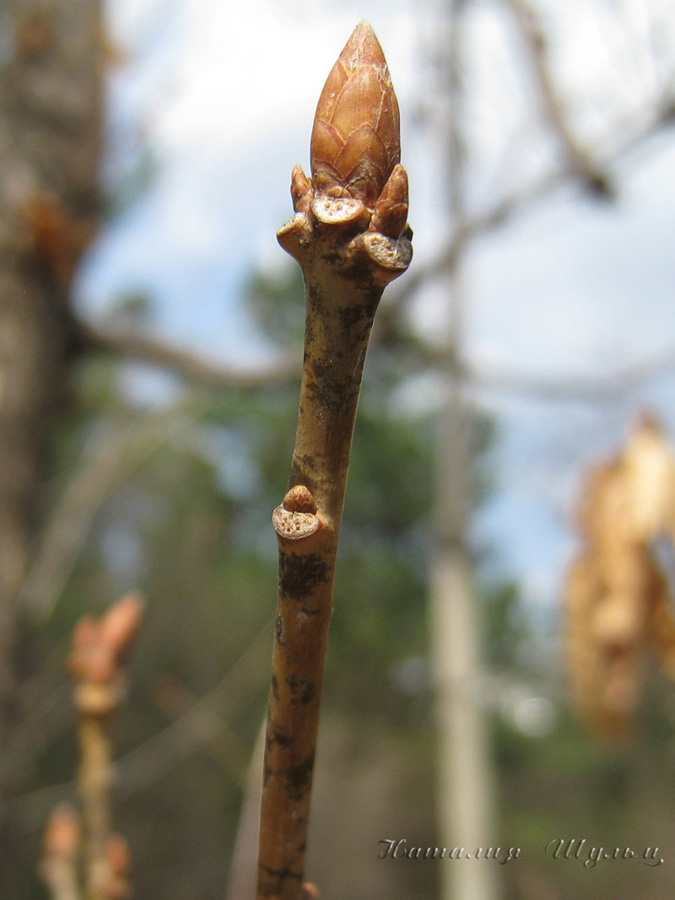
(358,184)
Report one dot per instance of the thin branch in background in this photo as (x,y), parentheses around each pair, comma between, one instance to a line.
(198,370)
(112,453)
(59,866)
(516,203)
(536,42)
(207,727)
(242,878)
(166,749)
(49,717)
(574,389)
(349,235)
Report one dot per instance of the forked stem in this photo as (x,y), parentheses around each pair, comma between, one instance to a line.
(350,236)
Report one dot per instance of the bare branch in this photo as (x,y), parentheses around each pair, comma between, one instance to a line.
(110,456)
(574,388)
(97,666)
(128,344)
(536,42)
(169,747)
(514,204)
(61,845)
(349,235)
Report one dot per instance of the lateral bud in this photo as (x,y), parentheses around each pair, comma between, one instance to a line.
(301,190)
(391,209)
(296,518)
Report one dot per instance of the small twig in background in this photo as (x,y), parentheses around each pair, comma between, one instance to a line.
(61,849)
(350,236)
(242,877)
(97,666)
(199,370)
(536,42)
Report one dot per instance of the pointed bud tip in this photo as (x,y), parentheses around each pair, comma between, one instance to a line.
(355,140)
(363,47)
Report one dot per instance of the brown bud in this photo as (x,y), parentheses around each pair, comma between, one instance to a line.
(99,648)
(121,623)
(299,499)
(118,857)
(295,519)
(391,210)
(90,659)
(301,190)
(62,835)
(355,140)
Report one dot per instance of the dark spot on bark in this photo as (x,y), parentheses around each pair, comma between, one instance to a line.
(330,390)
(271,880)
(299,576)
(301,472)
(275,688)
(359,317)
(299,777)
(278,736)
(303,690)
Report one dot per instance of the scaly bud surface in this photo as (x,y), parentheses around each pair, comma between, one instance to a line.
(358,187)
(355,141)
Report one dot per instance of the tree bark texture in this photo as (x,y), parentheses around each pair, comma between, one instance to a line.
(51,100)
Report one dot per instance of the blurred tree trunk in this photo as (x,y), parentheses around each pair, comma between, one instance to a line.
(466,783)
(51,94)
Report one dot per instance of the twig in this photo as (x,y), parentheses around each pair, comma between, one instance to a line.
(59,864)
(242,877)
(572,388)
(196,369)
(350,237)
(95,663)
(159,754)
(536,42)
(516,203)
(111,455)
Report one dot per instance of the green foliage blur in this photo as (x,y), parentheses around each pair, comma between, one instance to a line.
(185,517)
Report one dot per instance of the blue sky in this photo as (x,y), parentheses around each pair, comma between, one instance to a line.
(224,98)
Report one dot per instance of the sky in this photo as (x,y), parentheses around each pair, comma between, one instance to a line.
(222,95)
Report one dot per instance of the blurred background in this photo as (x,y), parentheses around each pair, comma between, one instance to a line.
(150,348)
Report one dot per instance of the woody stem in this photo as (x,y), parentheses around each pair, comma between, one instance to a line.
(338,325)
